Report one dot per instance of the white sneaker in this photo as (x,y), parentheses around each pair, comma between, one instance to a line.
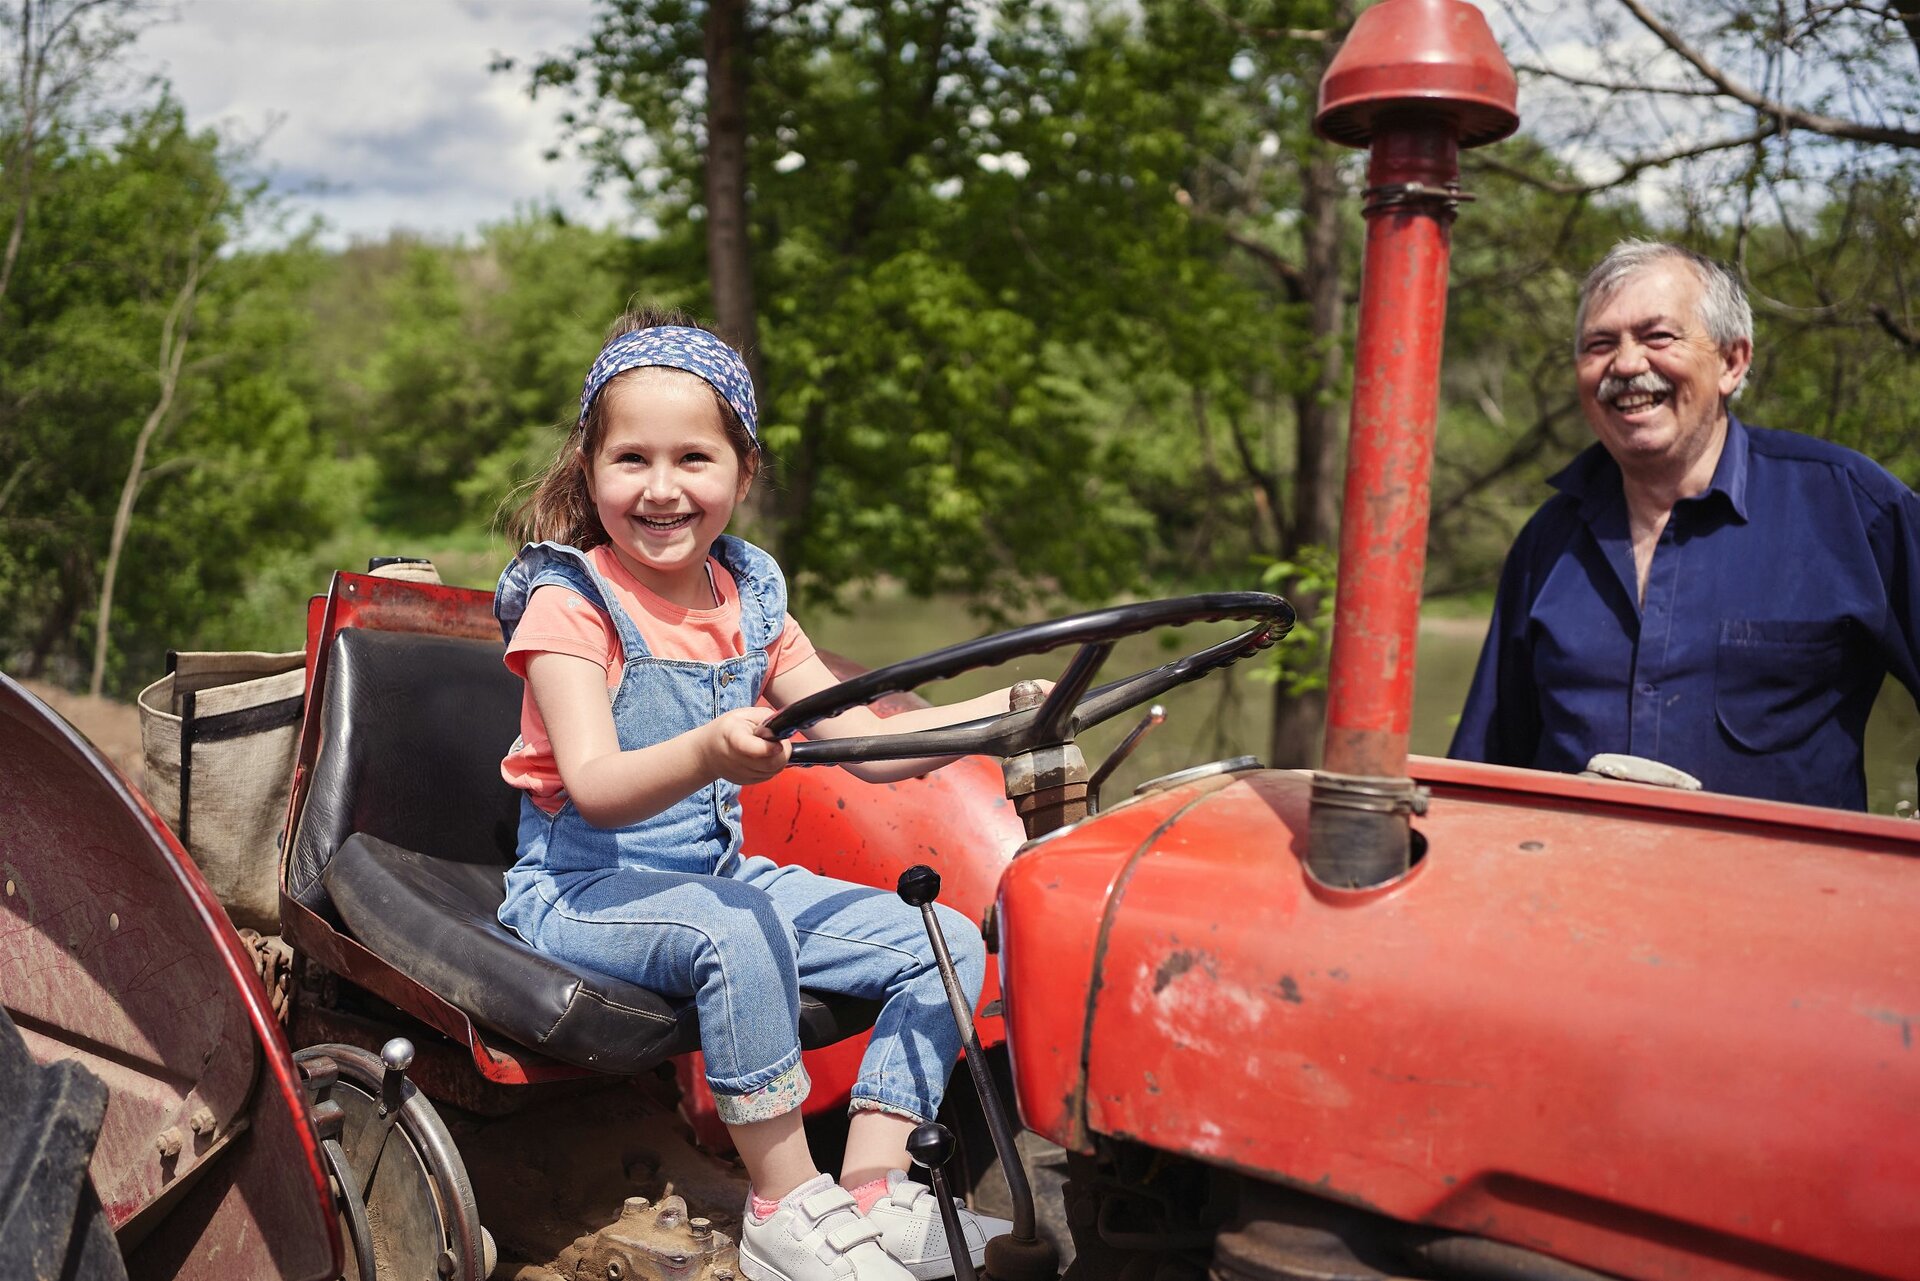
(908,1217)
(817,1234)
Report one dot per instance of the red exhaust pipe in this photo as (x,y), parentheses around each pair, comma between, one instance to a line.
(1416,80)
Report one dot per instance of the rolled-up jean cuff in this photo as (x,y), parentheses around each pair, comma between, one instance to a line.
(878,1105)
(776,1098)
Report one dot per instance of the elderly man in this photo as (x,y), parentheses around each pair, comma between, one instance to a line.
(1718,597)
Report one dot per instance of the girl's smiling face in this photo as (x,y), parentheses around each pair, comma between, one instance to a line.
(664,479)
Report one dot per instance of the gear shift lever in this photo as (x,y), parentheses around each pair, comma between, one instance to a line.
(930,1145)
(1021,1255)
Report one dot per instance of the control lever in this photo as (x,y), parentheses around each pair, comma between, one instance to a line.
(1155,715)
(1021,1255)
(396,1056)
(931,1146)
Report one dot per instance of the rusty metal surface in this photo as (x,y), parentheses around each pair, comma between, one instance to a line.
(661,1242)
(496,1060)
(1654,1041)
(114,953)
(1806,822)
(1383,539)
(1051,914)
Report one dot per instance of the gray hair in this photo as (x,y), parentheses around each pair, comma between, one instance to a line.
(1724,309)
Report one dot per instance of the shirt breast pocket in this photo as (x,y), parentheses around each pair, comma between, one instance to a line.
(1776,680)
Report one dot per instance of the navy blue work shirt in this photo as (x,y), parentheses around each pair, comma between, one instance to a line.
(1776,603)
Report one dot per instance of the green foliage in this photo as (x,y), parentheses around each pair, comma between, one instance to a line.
(1298,662)
(449,365)
(1032,312)
(234,471)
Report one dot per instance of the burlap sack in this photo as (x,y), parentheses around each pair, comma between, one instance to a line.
(220,733)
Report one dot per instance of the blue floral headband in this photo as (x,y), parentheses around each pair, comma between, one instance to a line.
(676,347)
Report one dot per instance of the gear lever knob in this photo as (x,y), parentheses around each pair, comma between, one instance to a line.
(919,885)
(930,1144)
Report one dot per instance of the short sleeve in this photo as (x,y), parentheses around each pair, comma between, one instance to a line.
(561,621)
(789,649)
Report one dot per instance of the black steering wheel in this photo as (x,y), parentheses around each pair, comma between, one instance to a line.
(1069,709)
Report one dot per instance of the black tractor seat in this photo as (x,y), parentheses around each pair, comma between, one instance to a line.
(408,830)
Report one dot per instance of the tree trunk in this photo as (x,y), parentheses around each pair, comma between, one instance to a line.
(21,169)
(729,257)
(1298,719)
(173,351)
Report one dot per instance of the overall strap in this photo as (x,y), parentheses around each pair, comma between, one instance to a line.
(543,564)
(762,587)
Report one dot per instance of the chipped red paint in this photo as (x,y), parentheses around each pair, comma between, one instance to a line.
(113,952)
(1053,933)
(1383,540)
(1416,79)
(1662,1036)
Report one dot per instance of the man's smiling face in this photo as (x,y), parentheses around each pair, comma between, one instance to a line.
(1653,382)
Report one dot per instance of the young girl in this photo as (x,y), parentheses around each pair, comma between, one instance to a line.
(646,636)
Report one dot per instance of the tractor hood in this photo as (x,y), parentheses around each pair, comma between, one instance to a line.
(1626,1027)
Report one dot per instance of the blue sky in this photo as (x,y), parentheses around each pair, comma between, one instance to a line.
(381,114)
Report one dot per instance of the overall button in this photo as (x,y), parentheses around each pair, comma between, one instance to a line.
(726,678)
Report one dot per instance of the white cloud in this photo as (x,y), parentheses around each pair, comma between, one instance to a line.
(380,114)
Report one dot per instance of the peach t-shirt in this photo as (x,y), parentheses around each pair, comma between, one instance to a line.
(560,621)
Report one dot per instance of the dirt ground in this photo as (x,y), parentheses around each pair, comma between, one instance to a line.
(112,727)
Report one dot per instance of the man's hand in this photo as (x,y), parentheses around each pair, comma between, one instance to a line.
(739,750)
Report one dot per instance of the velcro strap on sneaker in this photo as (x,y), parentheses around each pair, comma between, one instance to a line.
(852,1233)
(906,1194)
(826,1201)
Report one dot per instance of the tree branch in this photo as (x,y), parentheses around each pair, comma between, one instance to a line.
(1629,169)
(173,353)
(1291,278)
(1900,333)
(1613,86)
(1790,117)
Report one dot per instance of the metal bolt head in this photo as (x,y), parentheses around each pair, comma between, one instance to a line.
(701,1227)
(201,1122)
(634,1206)
(169,1142)
(615,1270)
(397,1055)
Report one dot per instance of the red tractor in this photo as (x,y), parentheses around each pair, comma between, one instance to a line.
(1394,1018)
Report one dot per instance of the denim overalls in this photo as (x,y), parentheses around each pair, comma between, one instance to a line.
(669,903)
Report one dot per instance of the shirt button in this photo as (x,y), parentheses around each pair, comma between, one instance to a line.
(726,678)
(1646,689)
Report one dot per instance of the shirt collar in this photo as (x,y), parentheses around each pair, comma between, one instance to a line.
(1594,478)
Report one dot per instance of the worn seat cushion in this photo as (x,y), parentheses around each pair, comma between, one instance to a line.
(439,916)
(406,836)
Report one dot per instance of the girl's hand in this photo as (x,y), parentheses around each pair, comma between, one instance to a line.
(739,751)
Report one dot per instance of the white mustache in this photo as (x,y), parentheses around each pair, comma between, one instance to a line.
(1650,382)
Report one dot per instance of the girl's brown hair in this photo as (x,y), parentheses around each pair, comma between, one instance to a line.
(559,508)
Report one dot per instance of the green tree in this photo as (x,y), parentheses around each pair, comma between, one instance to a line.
(143,426)
(860,147)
